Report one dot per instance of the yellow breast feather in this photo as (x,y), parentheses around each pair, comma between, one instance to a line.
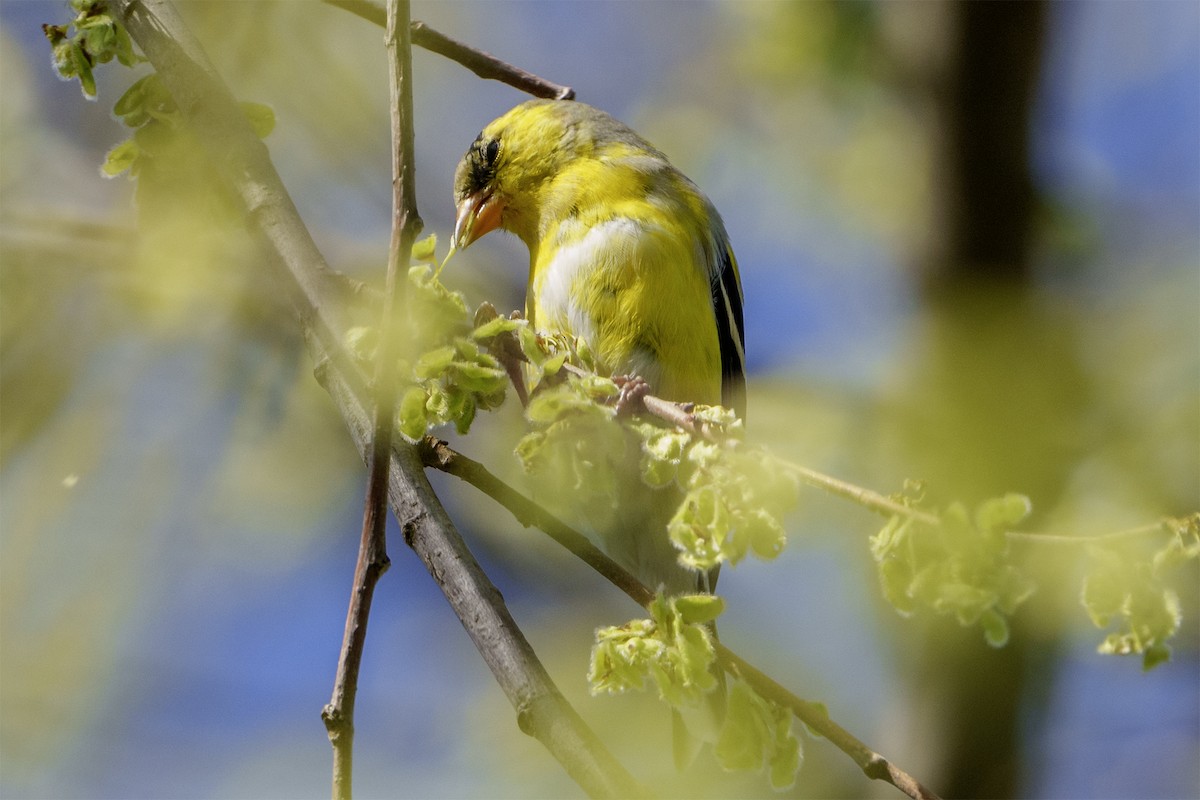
(636,293)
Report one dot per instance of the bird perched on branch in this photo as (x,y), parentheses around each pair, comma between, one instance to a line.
(625,252)
(628,255)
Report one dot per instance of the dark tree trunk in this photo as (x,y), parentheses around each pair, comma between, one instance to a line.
(988,197)
(977,283)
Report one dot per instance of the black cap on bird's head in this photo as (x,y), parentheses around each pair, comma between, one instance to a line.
(499,182)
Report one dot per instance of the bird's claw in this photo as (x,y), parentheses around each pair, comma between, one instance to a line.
(633,389)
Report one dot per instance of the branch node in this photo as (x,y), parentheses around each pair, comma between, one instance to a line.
(877,768)
(435,453)
(526,719)
(409,531)
(378,564)
(336,722)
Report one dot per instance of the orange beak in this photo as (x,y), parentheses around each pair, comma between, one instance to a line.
(477,214)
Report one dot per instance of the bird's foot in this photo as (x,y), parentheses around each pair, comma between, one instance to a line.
(633,390)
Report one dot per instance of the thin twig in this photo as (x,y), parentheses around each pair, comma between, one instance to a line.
(242,160)
(439,455)
(1034,537)
(873,501)
(682,416)
(485,65)
(372,553)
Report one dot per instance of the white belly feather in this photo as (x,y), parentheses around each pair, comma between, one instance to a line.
(601,248)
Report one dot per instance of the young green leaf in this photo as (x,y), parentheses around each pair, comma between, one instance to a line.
(496,326)
(699,608)
(411,415)
(124,48)
(134,96)
(81,67)
(674,653)
(758,735)
(120,158)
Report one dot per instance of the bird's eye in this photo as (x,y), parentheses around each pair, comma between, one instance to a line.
(490,151)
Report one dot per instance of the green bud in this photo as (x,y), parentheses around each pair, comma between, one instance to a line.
(412,419)
(699,608)
(1001,514)
(425,250)
(261,118)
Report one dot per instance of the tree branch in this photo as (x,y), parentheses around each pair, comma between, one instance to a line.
(682,416)
(542,712)
(439,455)
(243,161)
(241,157)
(485,65)
(372,553)
(871,500)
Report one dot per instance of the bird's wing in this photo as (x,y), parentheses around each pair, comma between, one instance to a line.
(727,305)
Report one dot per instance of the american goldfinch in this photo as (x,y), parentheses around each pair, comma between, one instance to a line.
(625,253)
(629,255)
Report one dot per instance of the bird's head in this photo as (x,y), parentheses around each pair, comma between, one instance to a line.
(502,179)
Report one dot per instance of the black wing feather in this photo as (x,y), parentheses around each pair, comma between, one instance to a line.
(727,305)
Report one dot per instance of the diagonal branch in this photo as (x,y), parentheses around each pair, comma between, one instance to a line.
(542,712)
(318,294)
(485,65)
(439,455)
(683,416)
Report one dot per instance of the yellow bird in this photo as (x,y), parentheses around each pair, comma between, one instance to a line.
(625,252)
